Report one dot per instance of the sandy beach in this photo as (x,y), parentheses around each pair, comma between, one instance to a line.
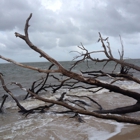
(129,133)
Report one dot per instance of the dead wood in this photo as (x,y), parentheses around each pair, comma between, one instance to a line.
(22,109)
(4,99)
(125,119)
(91,80)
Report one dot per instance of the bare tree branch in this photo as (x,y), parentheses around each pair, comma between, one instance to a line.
(85,80)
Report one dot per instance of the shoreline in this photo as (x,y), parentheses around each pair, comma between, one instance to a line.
(60,127)
(128,133)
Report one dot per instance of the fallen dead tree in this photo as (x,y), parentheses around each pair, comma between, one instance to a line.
(85,80)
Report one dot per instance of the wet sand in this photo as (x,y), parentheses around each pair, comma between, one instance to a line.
(129,133)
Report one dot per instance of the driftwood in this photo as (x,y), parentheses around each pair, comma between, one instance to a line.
(85,80)
(4,99)
(10,93)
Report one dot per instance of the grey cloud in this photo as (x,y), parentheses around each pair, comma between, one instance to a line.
(13,13)
(108,19)
(76,21)
(123,16)
(43,40)
(11,42)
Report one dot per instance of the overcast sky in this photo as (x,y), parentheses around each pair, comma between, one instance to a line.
(58,27)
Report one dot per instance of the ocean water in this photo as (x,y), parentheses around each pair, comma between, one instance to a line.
(50,126)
